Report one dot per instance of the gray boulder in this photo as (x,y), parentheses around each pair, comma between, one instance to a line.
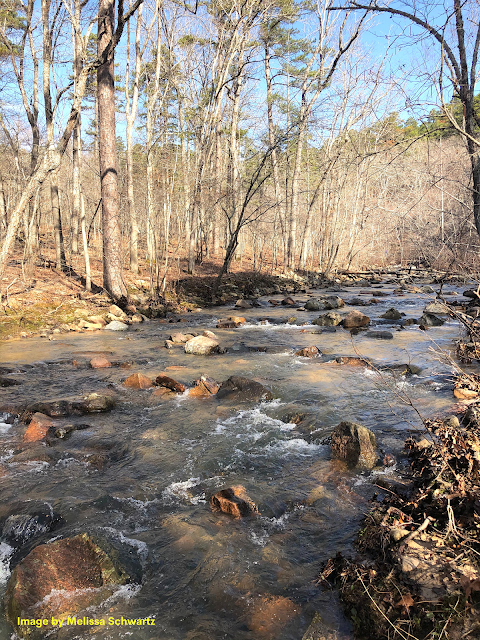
(431,320)
(116,325)
(330,319)
(201,346)
(239,388)
(392,314)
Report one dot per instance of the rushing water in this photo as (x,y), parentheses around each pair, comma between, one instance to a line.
(204,573)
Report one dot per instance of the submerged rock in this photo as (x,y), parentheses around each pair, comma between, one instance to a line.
(319,630)
(59,580)
(9,382)
(201,346)
(233,501)
(239,388)
(267,615)
(35,520)
(380,335)
(355,444)
(355,319)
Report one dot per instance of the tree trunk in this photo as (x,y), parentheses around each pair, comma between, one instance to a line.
(112,239)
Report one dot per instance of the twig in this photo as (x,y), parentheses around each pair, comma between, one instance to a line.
(415,533)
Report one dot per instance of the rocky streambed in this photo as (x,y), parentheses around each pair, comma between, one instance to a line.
(196,471)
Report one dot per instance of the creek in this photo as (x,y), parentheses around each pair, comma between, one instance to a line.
(204,572)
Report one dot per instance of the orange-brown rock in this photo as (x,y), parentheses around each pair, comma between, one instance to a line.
(267,615)
(308,352)
(463,393)
(204,387)
(169,383)
(38,428)
(355,319)
(59,579)
(352,361)
(100,362)
(138,381)
(233,501)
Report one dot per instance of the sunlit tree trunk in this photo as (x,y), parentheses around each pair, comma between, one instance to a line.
(112,239)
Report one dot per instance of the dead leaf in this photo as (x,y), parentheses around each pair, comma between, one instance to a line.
(406,601)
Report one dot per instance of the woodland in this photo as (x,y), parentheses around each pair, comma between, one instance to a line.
(288,135)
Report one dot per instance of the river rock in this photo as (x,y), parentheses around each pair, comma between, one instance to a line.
(116,311)
(313,305)
(95,403)
(9,382)
(138,381)
(392,314)
(309,352)
(75,573)
(332,302)
(240,389)
(436,307)
(288,302)
(319,630)
(201,346)
(179,338)
(116,325)
(204,387)
(169,383)
(380,335)
(355,444)
(100,362)
(330,319)
(37,430)
(233,501)
(355,319)
(243,304)
(35,519)
(352,361)
(409,322)
(209,334)
(431,320)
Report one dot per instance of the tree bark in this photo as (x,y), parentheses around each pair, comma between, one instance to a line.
(112,240)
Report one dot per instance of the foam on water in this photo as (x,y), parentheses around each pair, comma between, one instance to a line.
(4,428)
(6,552)
(179,491)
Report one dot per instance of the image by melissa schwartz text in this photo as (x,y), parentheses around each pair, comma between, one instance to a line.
(85,621)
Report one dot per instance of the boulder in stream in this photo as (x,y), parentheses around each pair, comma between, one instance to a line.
(100,362)
(319,630)
(138,381)
(234,501)
(313,305)
(201,346)
(330,319)
(309,352)
(116,325)
(59,580)
(431,320)
(355,444)
(5,381)
(204,387)
(355,319)
(239,389)
(392,314)
(37,430)
(169,383)
(380,335)
(436,307)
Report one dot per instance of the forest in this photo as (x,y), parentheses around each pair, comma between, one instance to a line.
(279,135)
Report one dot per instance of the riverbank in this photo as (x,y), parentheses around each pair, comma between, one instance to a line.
(51,302)
(417,572)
